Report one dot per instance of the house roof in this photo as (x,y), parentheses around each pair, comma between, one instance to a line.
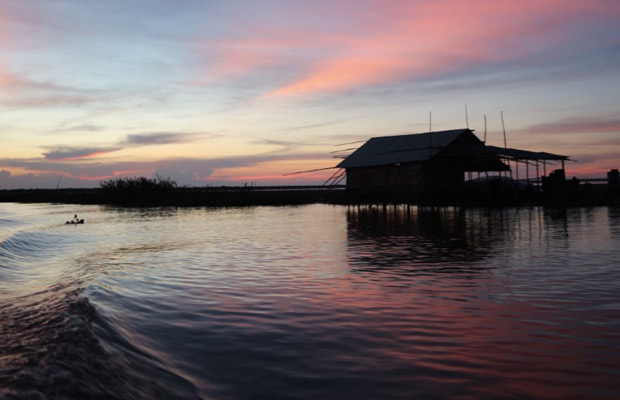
(388,150)
(517,154)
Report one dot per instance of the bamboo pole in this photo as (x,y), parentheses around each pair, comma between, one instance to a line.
(504,129)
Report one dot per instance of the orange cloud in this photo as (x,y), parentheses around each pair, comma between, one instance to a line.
(233,58)
(343,74)
(7,80)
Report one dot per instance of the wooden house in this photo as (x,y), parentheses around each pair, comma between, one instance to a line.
(418,163)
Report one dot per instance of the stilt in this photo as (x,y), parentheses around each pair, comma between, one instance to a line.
(537,176)
(517,169)
(527,171)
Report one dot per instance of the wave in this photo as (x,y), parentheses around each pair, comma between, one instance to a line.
(23,254)
(9,222)
(25,245)
(50,350)
(53,341)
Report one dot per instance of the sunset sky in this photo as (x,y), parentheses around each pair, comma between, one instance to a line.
(229,92)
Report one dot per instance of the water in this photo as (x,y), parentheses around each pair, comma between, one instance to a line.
(309,302)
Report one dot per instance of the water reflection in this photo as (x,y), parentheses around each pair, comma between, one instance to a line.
(320,301)
(405,238)
(614,221)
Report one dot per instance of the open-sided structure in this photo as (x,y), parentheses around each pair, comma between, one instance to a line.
(529,158)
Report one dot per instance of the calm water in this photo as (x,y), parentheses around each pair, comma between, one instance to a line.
(309,302)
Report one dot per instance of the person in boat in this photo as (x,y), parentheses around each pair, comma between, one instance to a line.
(75,220)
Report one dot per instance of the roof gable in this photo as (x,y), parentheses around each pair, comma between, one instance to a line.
(388,150)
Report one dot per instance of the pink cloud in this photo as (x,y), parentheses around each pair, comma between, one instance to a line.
(233,59)
(416,41)
(10,81)
(388,41)
(5,80)
(15,20)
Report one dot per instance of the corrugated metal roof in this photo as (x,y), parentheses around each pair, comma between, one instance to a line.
(388,150)
(518,154)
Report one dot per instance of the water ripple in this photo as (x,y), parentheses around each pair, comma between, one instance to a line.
(314,301)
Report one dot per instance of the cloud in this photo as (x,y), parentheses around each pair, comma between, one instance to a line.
(66,153)
(289,146)
(578,125)
(91,171)
(22,92)
(74,153)
(384,42)
(82,128)
(119,81)
(6,80)
(146,139)
(312,126)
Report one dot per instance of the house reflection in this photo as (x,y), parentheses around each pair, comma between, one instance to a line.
(417,240)
(614,221)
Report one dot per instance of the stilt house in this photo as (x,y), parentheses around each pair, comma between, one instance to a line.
(418,163)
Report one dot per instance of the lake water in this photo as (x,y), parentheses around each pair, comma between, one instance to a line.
(309,302)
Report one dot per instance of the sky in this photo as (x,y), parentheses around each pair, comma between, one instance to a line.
(246,92)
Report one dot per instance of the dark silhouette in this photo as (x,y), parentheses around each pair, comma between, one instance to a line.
(75,220)
(139,191)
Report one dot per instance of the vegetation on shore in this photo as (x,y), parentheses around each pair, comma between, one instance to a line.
(141,184)
(139,191)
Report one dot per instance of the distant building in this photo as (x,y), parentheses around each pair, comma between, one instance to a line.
(418,163)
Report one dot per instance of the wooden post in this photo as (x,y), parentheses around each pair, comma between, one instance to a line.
(527,171)
(538,180)
(504,129)
(517,162)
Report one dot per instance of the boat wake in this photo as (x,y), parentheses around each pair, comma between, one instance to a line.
(49,350)
(54,343)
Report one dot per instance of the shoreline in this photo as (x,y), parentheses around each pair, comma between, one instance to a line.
(220,196)
(240,196)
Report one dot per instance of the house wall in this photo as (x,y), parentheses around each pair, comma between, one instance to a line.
(442,175)
(390,178)
(412,177)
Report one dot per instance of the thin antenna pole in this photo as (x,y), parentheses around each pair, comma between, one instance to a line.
(58,184)
(485,128)
(466,117)
(430,131)
(504,129)
(430,121)
(310,170)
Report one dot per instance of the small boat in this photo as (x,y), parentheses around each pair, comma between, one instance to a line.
(74,222)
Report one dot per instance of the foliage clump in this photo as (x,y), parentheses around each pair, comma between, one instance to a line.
(139,191)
